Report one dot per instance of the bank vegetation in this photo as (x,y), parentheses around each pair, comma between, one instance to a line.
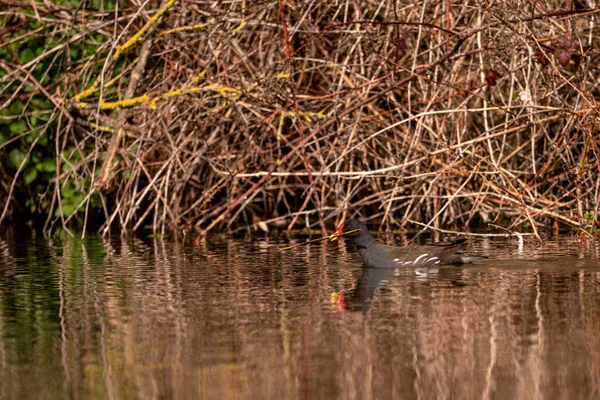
(198,117)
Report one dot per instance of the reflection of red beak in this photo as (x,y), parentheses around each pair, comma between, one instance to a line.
(337,233)
(337,298)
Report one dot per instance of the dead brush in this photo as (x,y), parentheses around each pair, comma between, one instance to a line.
(201,116)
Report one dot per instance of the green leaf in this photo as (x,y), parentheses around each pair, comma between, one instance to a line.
(27,55)
(67,209)
(74,53)
(49,165)
(30,137)
(30,175)
(67,190)
(16,107)
(95,201)
(38,69)
(16,157)
(70,205)
(588,216)
(90,49)
(42,103)
(17,127)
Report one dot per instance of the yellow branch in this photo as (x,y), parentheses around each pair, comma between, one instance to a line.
(103,128)
(243,23)
(111,105)
(94,87)
(166,95)
(86,92)
(116,78)
(195,79)
(188,88)
(240,26)
(306,114)
(182,29)
(139,33)
(221,89)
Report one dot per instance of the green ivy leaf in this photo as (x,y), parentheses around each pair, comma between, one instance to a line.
(27,55)
(16,157)
(70,205)
(16,108)
(49,165)
(17,127)
(42,103)
(67,209)
(67,190)
(30,175)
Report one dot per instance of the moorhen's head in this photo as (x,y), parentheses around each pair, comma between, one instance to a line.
(352,225)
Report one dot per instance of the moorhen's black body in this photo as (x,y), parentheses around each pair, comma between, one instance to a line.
(374,254)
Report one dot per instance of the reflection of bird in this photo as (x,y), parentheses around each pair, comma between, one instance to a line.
(360,298)
(374,254)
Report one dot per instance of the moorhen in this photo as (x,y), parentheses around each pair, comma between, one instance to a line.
(374,254)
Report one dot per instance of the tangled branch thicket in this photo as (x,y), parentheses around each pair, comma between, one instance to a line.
(218,115)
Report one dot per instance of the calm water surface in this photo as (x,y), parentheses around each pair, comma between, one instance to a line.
(238,319)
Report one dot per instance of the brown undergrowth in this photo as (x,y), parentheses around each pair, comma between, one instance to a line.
(204,116)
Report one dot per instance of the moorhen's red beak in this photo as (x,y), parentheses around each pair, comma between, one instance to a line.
(337,233)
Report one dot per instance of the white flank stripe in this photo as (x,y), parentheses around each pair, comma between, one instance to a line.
(431,259)
(437,262)
(396,259)
(418,258)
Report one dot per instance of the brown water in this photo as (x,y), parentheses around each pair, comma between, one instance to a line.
(237,319)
